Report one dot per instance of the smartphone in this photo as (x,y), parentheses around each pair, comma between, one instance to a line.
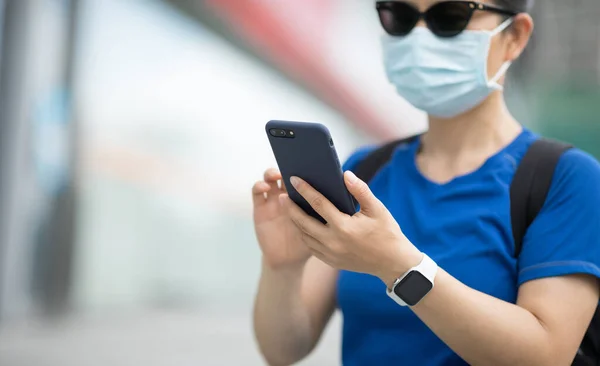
(306,150)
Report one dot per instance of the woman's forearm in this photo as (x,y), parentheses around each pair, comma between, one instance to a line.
(484,330)
(281,321)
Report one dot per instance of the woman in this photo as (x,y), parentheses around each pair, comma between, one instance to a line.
(441,201)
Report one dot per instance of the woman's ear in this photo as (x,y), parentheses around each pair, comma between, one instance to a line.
(518,35)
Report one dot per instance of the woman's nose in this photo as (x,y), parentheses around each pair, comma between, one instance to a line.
(421,23)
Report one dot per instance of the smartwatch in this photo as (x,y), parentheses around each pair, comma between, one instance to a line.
(412,287)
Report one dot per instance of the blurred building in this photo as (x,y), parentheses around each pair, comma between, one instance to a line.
(36,155)
(559,76)
(567,39)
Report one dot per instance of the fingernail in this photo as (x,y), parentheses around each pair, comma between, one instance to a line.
(295,181)
(352,178)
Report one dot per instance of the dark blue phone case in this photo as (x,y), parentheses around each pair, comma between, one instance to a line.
(310,155)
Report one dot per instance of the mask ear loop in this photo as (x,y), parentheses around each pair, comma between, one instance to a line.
(502,26)
(504,68)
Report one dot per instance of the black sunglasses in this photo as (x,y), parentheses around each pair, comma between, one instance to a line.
(444,19)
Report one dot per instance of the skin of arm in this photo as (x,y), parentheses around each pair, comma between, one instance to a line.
(545,327)
(291,310)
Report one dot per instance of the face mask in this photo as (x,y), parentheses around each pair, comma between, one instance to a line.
(442,76)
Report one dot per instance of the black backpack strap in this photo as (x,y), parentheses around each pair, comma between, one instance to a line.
(531,185)
(369,166)
(528,192)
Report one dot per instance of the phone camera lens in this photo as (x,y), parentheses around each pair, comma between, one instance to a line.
(331,142)
(276,132)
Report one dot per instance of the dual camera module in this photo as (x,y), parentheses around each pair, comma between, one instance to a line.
(277,132)
(288,134)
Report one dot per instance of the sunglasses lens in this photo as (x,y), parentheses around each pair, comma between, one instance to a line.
(449,18)
(397,18)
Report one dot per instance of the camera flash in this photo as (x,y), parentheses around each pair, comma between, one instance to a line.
(291,133)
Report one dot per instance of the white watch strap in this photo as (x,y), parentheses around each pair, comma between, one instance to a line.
(427,268)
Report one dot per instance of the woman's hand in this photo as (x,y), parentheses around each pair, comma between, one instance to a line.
(280,240)
(368,242)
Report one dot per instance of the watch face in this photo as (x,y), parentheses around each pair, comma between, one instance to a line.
(413,287)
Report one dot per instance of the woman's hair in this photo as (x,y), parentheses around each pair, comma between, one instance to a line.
(519,6)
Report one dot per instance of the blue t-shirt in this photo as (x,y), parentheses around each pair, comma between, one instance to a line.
(464,225)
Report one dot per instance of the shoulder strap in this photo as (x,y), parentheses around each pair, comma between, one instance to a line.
(369,166)
(531,185)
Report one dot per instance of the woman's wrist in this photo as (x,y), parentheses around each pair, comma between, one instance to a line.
(400,263)
(288,270)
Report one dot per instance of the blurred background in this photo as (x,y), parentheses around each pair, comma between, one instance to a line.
(132,131)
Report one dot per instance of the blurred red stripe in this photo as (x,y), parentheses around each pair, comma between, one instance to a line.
(299,56)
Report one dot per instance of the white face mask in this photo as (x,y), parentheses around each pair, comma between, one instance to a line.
(444,77)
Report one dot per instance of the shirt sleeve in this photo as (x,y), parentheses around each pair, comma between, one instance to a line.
(565,237)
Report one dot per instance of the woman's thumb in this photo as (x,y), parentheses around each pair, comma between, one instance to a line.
(360,190)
